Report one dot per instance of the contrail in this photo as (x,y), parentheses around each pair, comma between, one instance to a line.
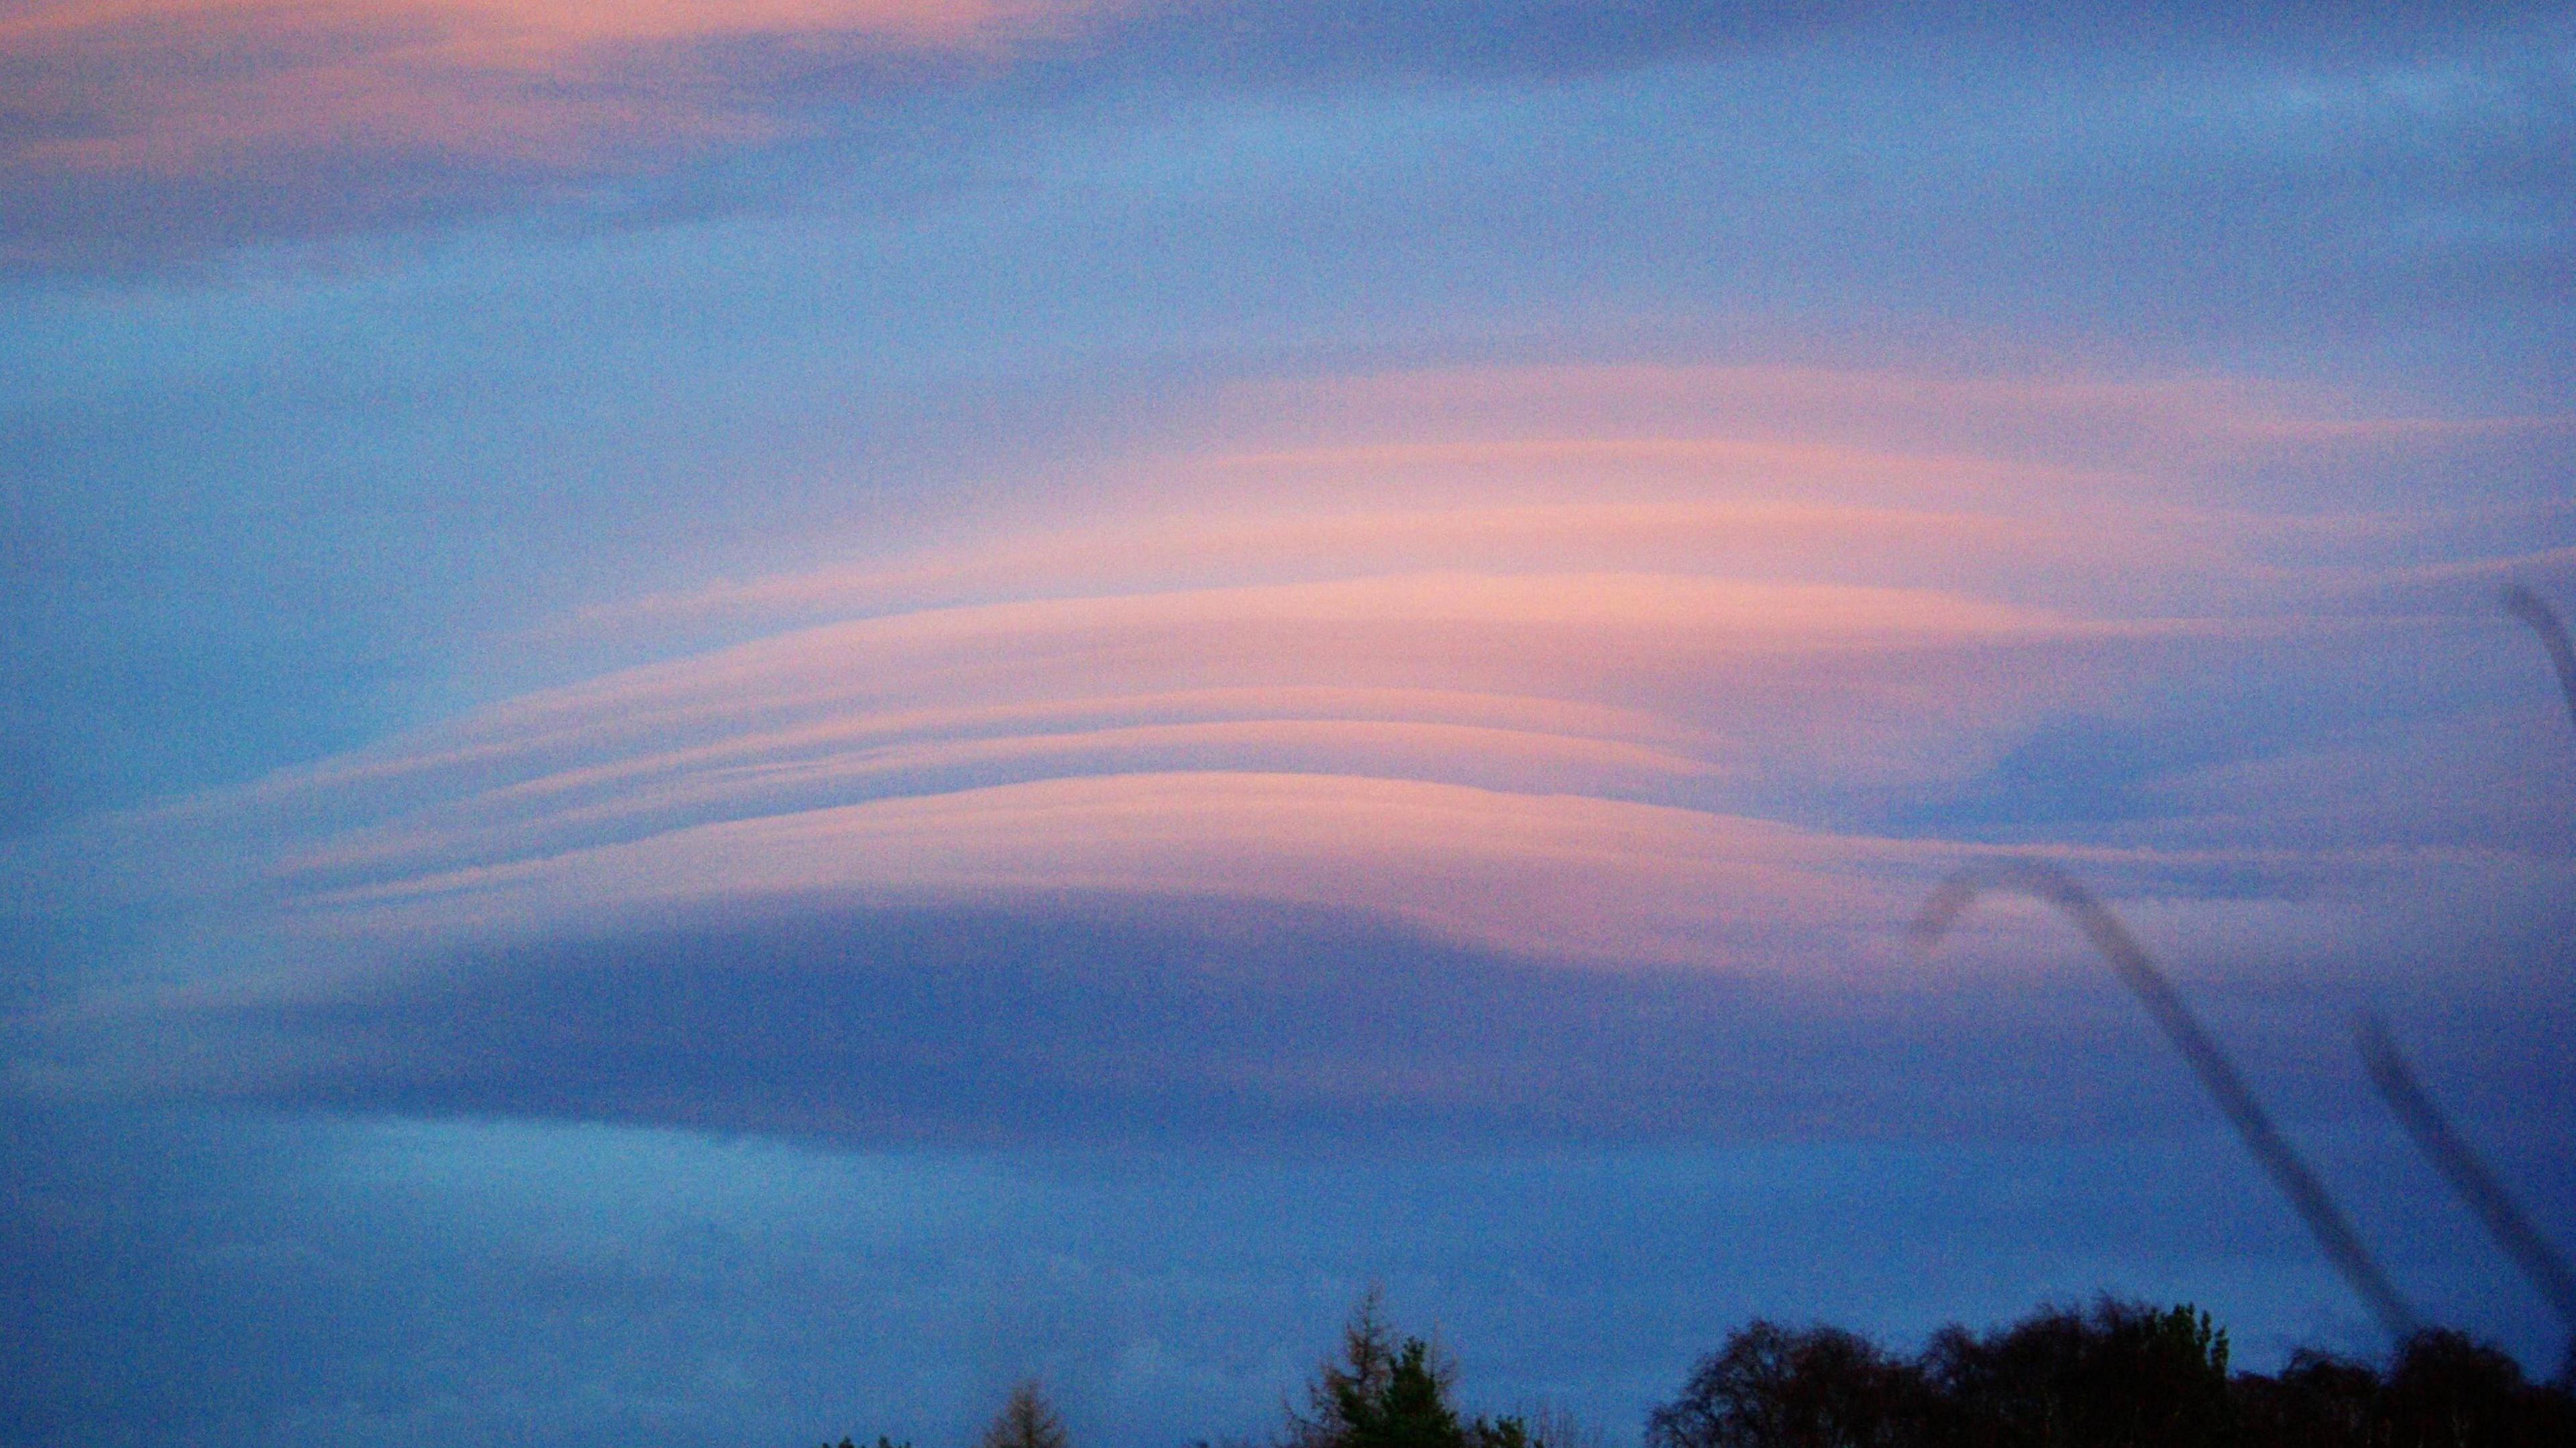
(2534,610)
(2467,1175)
(2288,1170)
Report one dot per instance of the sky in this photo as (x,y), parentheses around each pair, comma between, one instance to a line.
(727,722)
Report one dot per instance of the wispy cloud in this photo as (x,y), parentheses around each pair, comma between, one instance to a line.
(170,88)
(138,133)
(135,133)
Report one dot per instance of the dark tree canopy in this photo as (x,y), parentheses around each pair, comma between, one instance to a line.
(2118,1376)
(1820,1388)
(2121,1376)
(1388,1393)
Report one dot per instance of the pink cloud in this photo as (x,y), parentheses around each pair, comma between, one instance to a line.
(1626,682)
(2085,495)
(1605,667)
(1558,876)
(174,89)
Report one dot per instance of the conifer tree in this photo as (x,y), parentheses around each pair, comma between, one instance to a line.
(1026,1422)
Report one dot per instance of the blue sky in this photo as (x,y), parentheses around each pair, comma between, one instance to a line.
(697,696)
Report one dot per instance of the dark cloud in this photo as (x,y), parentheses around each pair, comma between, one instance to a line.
(1175,1022)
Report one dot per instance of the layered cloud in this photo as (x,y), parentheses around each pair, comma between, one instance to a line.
(1316,782)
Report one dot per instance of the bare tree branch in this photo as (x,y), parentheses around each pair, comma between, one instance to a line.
(2288,1170)
(2467,1174)
(2534,610)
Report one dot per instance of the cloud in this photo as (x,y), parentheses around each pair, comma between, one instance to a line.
(2080,499)
(141,137)
(1085,591)
(1548,875)
(1068,1015)
(1491,699)
(140,132)
(171,88)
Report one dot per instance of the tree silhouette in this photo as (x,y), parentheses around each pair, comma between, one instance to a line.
(2318,1401)
(2120,1376)
(1771,1387)
(1025,1422)
(1389,1393)
(2448,1390)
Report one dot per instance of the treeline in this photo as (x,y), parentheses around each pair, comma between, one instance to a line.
(2119,1375)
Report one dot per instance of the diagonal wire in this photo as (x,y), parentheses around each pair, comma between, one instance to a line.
(2461,1167)
(2288,1170)
(2534,610)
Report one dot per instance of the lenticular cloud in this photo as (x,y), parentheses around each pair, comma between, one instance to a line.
(1619,678)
